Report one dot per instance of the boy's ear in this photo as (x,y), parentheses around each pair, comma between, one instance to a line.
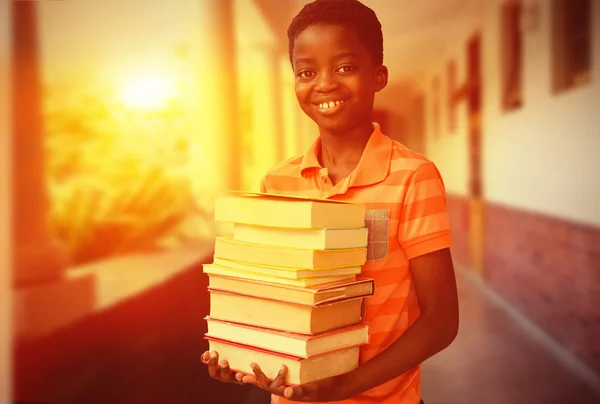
(381,78)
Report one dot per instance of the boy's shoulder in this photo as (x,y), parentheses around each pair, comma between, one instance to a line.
(407,158)
(287,168)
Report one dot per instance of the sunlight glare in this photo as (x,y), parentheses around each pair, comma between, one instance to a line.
(148,92)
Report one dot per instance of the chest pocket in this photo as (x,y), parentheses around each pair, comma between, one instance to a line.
(378,223)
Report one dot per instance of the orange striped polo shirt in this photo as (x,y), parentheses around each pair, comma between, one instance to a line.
(406,215)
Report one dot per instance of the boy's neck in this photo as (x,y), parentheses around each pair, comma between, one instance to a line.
(344,149)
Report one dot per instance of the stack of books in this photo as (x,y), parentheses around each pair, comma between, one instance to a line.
(284,287)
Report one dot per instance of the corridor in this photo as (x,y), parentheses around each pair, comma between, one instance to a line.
(98,305)
(498,359)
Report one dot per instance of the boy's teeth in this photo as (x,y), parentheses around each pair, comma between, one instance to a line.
(330,104)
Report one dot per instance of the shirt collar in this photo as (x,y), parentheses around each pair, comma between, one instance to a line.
(374,163)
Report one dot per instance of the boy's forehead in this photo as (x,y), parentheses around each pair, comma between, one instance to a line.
(327,40)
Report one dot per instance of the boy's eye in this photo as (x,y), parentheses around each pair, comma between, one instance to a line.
(346,69)
(306,74)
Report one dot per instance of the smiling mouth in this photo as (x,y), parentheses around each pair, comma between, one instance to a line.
(329,107)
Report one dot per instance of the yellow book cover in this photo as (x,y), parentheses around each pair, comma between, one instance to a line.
(227,248)
(288,212)
(216,270)
(285,272)
(320,239)
(278,315)
(312,295)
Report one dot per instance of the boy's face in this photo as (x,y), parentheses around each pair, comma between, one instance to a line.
(336,78)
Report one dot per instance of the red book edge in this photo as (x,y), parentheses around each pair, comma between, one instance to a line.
(273,352)
(253,348)
(304,337)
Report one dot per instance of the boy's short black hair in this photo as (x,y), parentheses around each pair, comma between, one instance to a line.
(347,13)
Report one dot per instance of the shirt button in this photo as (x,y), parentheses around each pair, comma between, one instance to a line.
(324,178)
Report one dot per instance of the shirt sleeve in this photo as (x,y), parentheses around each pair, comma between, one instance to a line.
(424,224)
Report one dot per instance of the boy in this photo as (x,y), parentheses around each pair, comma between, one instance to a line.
(336,52)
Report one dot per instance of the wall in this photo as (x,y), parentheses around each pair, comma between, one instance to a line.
(449,148)
(542,156)
(548,269)
(5,212)
(541,208)
(404,121)
(274,127)
(291,110)
(542,215)
(145,349)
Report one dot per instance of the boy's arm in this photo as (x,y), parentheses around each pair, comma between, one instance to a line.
(434,330)
(424,233)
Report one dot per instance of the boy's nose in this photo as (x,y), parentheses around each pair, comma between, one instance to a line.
(325,83)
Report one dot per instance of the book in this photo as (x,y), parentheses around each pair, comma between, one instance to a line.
(289,212)
(211,269)
(284,316)
(286,272)
(303,346)
(312,295)
(318,239)
(300,370)
(227,248)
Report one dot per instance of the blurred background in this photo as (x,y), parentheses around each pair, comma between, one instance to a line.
(120,121)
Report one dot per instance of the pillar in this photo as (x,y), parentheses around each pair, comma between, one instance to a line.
(278,103)
(36,257)
(43,297)
(5,211)
(217,126)
(291,108)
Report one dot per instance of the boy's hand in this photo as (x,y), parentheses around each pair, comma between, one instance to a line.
(220,371)
(275,386)
(324,390)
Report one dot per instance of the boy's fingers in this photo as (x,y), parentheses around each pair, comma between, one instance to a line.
(250,379)
(213,368)
(262,380)
(224,371)
(239,376)
(280,379)
(293,393)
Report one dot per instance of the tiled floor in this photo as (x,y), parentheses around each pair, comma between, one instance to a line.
(495,361)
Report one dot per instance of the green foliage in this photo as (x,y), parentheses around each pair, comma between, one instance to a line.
(118,179)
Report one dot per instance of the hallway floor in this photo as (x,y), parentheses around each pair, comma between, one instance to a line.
(495,360)
(147,350)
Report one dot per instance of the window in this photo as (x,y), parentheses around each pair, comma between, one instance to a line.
(571,28)
(512,54)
